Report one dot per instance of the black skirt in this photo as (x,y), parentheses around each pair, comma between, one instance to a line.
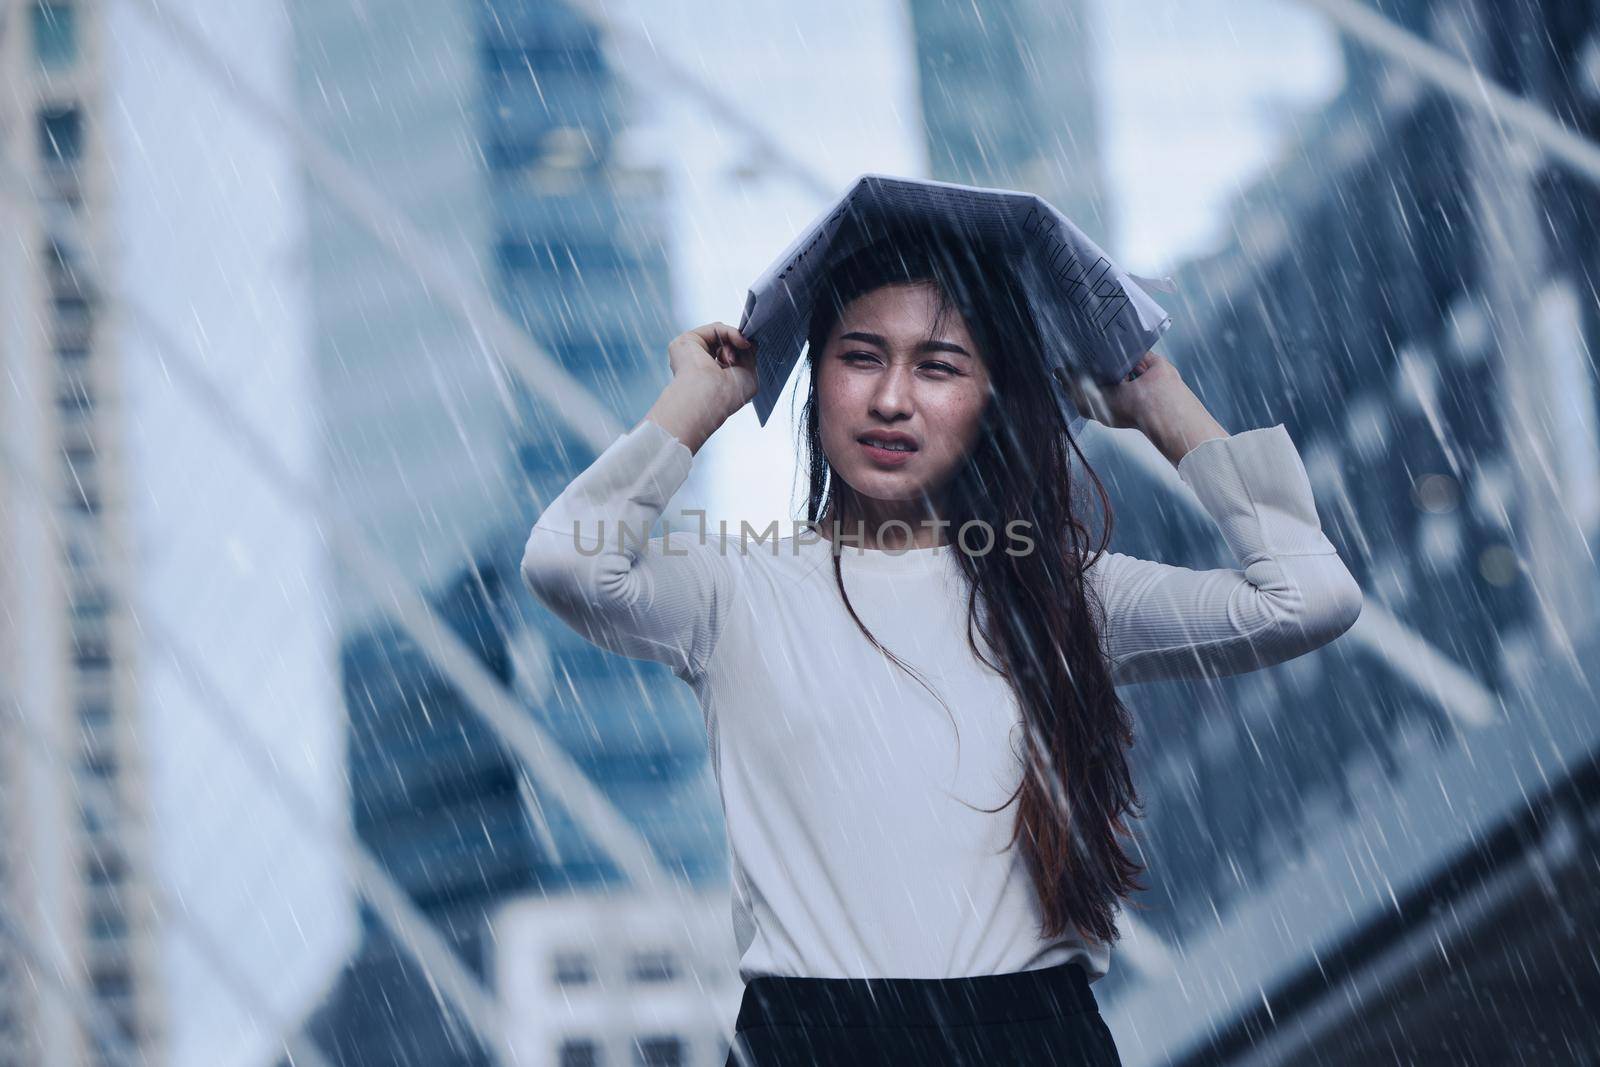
(1046,1016)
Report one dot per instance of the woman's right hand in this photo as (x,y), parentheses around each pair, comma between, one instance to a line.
(719,357)
(713,376)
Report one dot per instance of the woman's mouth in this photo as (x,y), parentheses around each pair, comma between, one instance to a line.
(889,451)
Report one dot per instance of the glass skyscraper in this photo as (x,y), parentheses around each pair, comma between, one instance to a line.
(508,145)
(1376,850)
(1371,853)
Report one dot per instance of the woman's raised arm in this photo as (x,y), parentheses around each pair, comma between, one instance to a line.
(1293,594)
(589,557)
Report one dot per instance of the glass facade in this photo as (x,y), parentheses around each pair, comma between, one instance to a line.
(1402,292)
(55,33)
(574,242)
(1009,100)
(1399,296)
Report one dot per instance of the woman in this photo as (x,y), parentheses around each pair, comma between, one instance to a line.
(871,715)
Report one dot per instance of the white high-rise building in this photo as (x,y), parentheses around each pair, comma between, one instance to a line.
(627,978)
(168,681)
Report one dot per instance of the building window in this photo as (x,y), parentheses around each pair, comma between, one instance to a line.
(92,822)
(73,322)
(579,1052)
(91,648)
(573,968)
(75,399)
(55,33)
(60,135)
(79,552)
(1558,316)
(72,308)
(87,500)
(105,867)
(658,1052)
(111,981)
(94,715)
(88,607)
(100,765)
(652,967)
(108,924)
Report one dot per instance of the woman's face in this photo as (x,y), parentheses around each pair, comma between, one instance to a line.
(880,376)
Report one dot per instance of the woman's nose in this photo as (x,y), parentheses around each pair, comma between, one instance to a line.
(893,395)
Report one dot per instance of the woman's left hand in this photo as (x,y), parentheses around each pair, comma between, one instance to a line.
(1154,399)
(1126,404)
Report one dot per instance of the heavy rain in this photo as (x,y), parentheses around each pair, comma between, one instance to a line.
(327,322)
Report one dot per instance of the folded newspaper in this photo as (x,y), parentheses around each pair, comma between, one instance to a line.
(1094,318)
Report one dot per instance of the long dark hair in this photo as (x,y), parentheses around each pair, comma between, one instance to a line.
(1032,608)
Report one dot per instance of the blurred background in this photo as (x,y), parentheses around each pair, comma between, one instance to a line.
(310,306)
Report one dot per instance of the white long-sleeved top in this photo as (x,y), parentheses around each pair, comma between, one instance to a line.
(845,790)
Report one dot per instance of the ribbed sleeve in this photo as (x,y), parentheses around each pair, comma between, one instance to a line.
(1293,593)
(590,560)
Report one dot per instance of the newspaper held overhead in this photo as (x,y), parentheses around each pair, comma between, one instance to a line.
(1094,318)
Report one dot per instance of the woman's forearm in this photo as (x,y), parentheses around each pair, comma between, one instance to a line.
(1179,422)
(690,408)
(1154,399)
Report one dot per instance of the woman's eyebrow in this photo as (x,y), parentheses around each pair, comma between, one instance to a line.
(925,346)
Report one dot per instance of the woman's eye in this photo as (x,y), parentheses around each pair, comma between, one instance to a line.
(864,358)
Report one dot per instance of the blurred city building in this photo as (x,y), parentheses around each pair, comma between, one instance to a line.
(1375,853)
(500,130)
(617,979)
(154,657)
(1010,101)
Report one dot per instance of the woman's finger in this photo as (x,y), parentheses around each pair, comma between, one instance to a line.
(713,333)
